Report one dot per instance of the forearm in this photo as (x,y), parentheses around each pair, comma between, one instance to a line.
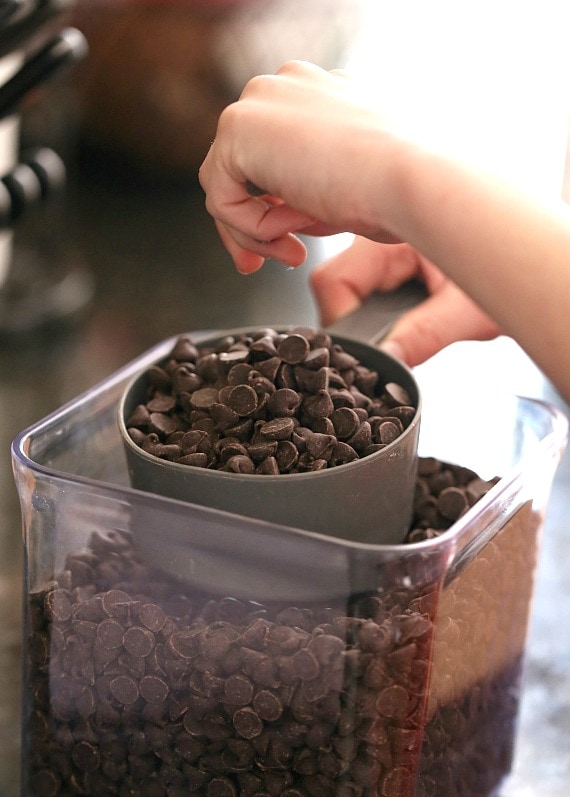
(508,252)
(329,162)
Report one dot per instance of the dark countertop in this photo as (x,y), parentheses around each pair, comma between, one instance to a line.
(159,269)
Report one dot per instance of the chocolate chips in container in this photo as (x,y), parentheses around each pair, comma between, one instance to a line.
(142,685)
(296,427)
(328,666)
(259,392)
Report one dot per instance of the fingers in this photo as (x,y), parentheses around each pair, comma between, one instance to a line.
(340,285)
(246,262)
(276,139)
(447,316)
(252,224)
(249,256)
(257,221)
(256,215)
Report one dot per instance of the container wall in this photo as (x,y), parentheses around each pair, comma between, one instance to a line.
(140,680)
(173,649)
(477,657)
(141,683)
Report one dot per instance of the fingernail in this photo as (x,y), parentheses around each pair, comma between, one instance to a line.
(392,348)
(246,270)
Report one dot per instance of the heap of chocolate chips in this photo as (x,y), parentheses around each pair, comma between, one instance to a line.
(139,685)
(444,492)
(269,403)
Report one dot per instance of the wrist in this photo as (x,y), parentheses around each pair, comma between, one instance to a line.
(391,174)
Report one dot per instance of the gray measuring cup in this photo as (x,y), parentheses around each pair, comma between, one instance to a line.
(368,500)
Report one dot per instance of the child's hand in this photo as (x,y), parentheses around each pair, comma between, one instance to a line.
(448,315)
(303,136)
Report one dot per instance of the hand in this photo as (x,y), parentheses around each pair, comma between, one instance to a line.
(306,137)
(448,315)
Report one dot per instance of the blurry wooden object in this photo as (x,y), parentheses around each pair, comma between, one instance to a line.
(159,74)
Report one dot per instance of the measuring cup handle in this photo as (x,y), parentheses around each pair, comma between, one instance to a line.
(372,321)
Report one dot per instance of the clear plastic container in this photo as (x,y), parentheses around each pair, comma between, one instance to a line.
(321,667)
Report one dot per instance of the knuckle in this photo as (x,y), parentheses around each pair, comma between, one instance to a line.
(211,206)
(431,332)
(259,84)
(228,118)
(293,67)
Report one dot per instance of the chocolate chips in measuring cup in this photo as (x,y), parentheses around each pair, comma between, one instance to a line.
(270,403)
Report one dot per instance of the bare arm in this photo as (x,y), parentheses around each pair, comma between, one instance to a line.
(509,253)
(330,163)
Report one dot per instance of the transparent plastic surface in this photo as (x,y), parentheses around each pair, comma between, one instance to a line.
(324,668)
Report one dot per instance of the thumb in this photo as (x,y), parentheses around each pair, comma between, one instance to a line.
(445,317)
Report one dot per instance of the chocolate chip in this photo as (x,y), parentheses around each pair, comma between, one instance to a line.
(247,723)
(185,379)
(397,394)
(115,603)
(452,502)
(229,447)
(263,449)
(161,402)
(267,706)
(195,441)
(140,416)
(224,416)
(286,456)
(45,783)
(284,402)
(85,757)
(313,381)
(238,374)
(110,634)
(293,349)
(221,787)
(341,359)
(320,446)
(184,349)
(204,398)
(277,429)
(318,358)
(265,344)
(318,406)
(268,467)
(326,647)
(195,460)
(242,400)
(153,689)
(345,422)
(343,398)
(361,440)
(238,690)
(393,702)
(387,432)
(138,641)
(234,357)
(57,605)
(240,464)
(124,689)
(342,454)
(184,643)
(306,665)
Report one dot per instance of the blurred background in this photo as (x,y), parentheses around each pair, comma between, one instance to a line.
(96,268)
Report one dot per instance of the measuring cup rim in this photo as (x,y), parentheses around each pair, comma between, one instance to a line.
(204,339)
